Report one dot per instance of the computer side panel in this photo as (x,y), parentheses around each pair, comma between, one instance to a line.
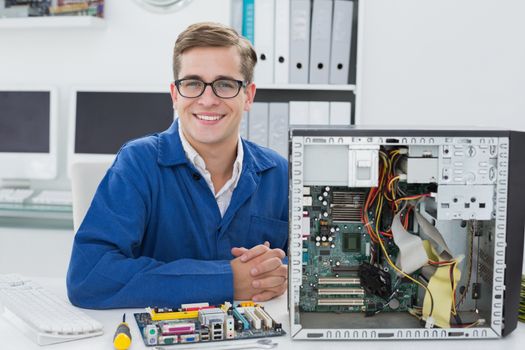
(448,192)
(515,230)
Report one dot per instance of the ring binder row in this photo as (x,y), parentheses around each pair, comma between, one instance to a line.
(298,41)
(267,123)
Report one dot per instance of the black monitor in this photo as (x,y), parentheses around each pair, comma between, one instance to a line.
(105,120)
(28,148)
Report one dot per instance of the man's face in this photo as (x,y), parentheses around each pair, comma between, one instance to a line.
(209,120)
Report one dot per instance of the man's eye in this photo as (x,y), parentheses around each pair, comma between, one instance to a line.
(193,83)
(225,84)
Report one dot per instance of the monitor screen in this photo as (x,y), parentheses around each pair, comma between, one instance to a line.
(104,120)
(28,145)
(24,121)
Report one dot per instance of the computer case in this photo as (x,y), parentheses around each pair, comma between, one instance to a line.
(405,234)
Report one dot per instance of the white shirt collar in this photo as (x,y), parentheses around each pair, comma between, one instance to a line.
(198,162)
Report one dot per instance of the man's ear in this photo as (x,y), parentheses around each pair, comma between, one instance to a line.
(249,96)
(174,94)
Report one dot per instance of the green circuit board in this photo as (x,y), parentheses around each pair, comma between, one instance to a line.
(336,254)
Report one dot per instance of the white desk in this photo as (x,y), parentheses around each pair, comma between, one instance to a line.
(12,339)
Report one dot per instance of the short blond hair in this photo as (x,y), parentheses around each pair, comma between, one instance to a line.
(210,34)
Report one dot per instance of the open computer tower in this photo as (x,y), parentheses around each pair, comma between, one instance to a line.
(405,234)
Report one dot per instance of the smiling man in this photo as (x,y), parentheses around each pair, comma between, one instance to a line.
(194,213)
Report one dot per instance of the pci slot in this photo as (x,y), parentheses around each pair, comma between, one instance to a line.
(341,302)
(251,316)
(341,291)
(267,320)
(240,317)
(339,281)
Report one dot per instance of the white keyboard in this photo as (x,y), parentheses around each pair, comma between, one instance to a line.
(15,195)
(53,197)
(41,315)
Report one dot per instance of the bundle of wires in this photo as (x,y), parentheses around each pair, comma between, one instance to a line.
(521,315)
(388,195)
(387,200)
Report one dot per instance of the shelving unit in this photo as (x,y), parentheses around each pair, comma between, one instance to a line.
(325,92)
(317,87)
(87,22)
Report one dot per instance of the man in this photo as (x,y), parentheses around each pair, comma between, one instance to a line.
(189,214)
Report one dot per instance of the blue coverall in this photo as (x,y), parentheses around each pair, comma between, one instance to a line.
(154,236)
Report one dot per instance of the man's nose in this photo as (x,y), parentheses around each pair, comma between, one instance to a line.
(208,97)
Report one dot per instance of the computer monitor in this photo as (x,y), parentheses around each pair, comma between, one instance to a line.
(105,119)
(28,130)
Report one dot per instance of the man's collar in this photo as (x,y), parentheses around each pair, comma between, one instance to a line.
(172,153)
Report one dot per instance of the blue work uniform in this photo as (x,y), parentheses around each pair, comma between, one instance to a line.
(154,235)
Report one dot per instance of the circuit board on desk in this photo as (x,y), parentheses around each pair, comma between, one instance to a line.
(202,323)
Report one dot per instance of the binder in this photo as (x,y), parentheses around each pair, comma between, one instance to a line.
(264,40)
(237,16)
(319,113)
(258,123)
(341,41)
(243,129)
(248,9)
(298,112)
(282,42)
(320,41)
(299,41)
(340,113)
(278,128)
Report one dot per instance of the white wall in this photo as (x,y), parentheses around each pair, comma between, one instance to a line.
(455,62)
(133,50)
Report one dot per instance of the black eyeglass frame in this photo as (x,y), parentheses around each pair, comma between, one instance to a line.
(240,83)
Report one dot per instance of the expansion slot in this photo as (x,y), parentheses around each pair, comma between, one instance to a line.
(341,291)
(339,281)
(341,302)
(237,315)
(175,315)
(251,316)
(267,320)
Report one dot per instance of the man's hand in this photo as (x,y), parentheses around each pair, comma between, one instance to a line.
(258,273)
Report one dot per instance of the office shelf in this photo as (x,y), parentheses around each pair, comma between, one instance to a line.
(52,22)
(317,87)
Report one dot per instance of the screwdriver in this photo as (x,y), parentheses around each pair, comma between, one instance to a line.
(122,338)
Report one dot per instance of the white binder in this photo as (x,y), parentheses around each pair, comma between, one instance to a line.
(237,16)
(299,112)
(243,130)
(320,41)
(264,40)
(299,41)
(341,41)
(278,128)
(340,113)
(319,113)
(282,42)
(258,123)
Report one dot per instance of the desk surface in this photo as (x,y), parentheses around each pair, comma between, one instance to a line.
(12,339)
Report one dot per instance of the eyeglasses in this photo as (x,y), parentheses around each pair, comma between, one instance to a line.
(223,88)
